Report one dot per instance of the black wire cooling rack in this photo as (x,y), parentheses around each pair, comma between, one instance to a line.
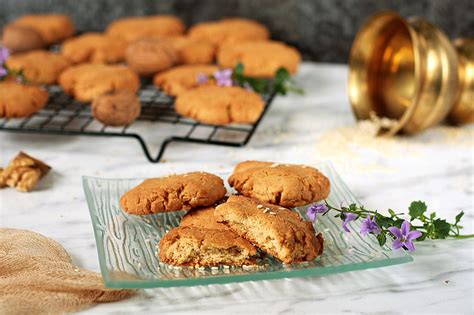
(65,116)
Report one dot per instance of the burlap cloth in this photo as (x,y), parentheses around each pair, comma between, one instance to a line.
(37,277)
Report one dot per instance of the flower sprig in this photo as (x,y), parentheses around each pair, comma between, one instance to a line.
(5,72)
(282,84)
(394,225)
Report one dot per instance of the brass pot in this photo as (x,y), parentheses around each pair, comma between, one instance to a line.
(403,70)
(463,109)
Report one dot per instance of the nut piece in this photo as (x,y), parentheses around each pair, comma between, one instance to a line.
(21,38)
(150,55)
(116,109)
(23,173)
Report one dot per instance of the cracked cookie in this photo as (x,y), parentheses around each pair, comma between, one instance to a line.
(39,66)
(116,109)
(20,100)
(220,105)
(88,81)
(279,231)
(287,185)
(228,31)
(260,58)
(182,78)
(173,193)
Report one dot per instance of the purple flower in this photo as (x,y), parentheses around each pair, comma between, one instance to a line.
(4,54)
(202,78)
(3,72)
(369,226)
(348,217)
(315,209)
(223,77)
(404,237)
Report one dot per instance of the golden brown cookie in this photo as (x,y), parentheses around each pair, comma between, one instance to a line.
(203,218)
(88,81)
(132,28)
(260,58)
(39,66)
(229,31)
(147,56)
(279,231)
(192,52)
(287,185)
(116,109)
(182,78)
(174,193)
(20,100)
(20,38)
(52,28)
(194,246)
(220,105)
(95,48)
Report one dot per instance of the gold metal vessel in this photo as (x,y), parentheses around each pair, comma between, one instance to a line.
(463,109)
(403,70)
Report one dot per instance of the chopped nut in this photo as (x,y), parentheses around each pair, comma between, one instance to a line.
(23,172)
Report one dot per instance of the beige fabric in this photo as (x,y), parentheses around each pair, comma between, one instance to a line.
(37,277)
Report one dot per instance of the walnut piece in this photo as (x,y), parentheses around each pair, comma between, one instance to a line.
(23,172)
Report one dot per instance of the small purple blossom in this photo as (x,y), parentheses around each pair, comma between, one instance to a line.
(223,77)
(404,237)
(348,217)
(369,226)
(3,72)
(4,54)
(202,78)
(315,209)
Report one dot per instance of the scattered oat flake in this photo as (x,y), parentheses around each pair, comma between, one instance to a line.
(259,207)
(266,210)
(272,213)
(274,165)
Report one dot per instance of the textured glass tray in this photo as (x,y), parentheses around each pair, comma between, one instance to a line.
(127,243)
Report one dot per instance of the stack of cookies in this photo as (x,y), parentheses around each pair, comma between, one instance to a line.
(239,229)
(90,66)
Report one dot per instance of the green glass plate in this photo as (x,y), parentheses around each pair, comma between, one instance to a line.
(127,243)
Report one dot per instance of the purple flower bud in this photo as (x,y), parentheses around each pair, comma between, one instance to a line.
(369,226)
(315,209)
(223,77)
(202,78)
(348,217)
(4,54)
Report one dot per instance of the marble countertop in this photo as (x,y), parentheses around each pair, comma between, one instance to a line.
(436,166)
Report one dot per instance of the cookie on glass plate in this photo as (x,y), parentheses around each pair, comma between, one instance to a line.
(287,185)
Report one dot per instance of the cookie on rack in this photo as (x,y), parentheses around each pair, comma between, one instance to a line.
(39,66)
(192,52)
(287,185)
(148,56)
(52,28)
(133,28)
(182,78)
(94,48)
(229,31)
(279,231)
(116,109)
(20,100)
(217,105)
(260,58)
(20,38)
(174,193)
(88,81)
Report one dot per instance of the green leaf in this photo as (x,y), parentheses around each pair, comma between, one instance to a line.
(382,239)
(422,237)
(416,209)
(432,215)
(392,213)
(383,221)
(441,228)
(458,217)
(239,70)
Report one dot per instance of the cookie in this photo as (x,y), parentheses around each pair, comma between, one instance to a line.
(260,58)
(88,81)
(19,38)
(147,56)
(278,231)
(182,78)
(20,100)
(203,218)
(194,246)
(116,109)
(229,31)
(52,28)
(287,185)
(132,28)
(39,66)
(94,48)
(174,193)
(220,105)
(192,52)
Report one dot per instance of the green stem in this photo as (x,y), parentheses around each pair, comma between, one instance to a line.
(462,236)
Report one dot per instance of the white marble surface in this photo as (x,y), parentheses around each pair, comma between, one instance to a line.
(435,167)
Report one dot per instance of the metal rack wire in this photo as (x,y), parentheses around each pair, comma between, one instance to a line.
(66,116)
